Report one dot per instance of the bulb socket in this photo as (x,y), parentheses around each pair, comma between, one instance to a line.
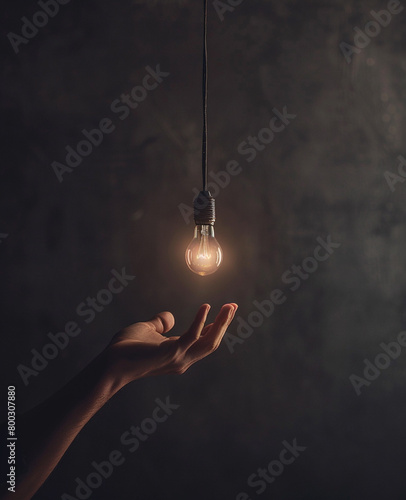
(204,209)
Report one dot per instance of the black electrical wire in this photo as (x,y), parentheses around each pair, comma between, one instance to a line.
(204,204)
(204,139)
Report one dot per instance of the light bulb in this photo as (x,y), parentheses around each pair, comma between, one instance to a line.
(204,254)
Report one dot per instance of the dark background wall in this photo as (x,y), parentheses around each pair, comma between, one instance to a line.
(323,175)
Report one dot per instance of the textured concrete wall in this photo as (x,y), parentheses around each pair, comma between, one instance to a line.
(324,174)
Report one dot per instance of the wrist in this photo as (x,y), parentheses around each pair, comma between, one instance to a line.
(115,372)
(108,378)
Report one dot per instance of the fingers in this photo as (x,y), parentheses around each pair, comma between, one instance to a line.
(215,334)
(196,328)
(163,322)
(206,329)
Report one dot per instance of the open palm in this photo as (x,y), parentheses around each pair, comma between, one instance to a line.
(141,349)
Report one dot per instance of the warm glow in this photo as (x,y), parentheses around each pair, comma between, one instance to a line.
(204,255)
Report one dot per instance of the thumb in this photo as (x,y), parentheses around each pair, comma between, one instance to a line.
(163,322)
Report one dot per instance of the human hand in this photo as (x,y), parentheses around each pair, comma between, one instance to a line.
(142,350)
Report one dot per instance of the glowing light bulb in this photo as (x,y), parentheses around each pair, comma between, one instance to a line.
(204,254)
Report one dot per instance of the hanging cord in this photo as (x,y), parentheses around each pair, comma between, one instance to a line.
(204,139)
(204,205)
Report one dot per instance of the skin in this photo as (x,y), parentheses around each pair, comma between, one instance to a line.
(139,350)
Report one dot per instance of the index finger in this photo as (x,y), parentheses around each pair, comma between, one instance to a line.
(190,337)
(216,333)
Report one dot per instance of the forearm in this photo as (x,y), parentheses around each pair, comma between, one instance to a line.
(48,431)
(138,351)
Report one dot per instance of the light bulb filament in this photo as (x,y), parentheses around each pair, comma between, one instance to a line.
(204,254)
